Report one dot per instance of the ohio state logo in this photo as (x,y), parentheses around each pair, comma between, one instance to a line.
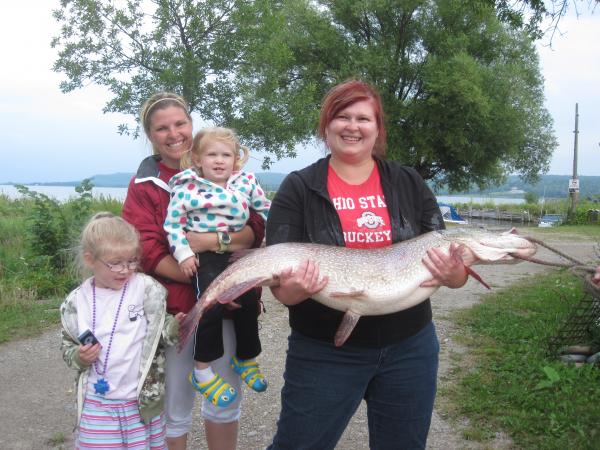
(369,220)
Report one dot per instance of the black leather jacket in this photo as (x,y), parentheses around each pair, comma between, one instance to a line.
(302,211)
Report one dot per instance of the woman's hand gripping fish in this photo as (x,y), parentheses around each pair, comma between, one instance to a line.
(361,282)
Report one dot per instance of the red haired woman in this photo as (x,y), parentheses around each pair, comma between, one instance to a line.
(355,198)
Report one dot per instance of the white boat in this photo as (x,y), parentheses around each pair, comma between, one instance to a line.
(550,220)
(450,215)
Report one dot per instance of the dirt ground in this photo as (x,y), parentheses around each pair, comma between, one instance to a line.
(37,408)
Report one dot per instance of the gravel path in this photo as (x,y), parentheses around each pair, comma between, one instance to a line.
(37,408)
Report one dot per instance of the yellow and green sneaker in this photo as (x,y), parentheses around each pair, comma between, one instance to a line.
(248,371)
(216,390)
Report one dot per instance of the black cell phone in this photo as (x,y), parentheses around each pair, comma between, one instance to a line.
(87,337)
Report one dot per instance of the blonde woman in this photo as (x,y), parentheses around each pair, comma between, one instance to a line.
(167,123)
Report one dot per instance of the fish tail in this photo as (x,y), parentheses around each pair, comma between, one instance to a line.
(188,325)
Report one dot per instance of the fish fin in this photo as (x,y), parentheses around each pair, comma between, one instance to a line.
(229,295)
(457,253)
(233,306)
(351,294)
(349,321)
(188,325)
(476,276)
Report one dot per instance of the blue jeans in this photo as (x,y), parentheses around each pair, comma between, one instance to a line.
(324,386)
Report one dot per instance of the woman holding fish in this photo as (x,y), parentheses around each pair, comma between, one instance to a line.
(355,198)
(167,124)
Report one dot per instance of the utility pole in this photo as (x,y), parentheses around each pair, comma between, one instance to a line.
(574,183)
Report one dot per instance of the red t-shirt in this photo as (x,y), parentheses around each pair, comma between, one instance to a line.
(362,210)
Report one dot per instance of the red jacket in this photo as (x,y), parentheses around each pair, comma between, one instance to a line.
(145,208)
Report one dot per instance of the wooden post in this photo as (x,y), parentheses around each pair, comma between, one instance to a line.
(574,187)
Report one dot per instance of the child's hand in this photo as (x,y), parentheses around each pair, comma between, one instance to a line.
(179,317)
(89,353)
(188,266)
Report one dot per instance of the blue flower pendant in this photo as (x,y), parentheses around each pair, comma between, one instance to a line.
(101,386)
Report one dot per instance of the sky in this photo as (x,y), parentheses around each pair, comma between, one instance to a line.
(51,136)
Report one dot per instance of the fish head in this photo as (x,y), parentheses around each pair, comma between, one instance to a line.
(486,247)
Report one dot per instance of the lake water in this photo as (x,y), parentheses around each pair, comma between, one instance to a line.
(62,193)
(452,199)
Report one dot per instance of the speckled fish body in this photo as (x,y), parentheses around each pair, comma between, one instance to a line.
(363,282)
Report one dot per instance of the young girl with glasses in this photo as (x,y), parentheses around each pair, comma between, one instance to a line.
(114,332)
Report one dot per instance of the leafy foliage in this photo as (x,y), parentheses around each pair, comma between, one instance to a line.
(46,226)
(461,90)
(584,213)
(531,198)
(183,46)
(460,80)
(51,230)
(531,15)
(36,256)
(50,235)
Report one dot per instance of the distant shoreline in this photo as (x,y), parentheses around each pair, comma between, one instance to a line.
(64,193)
(64,184)
(268,180)
(549,186)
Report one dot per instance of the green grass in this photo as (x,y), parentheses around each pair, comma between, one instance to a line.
(568,231)
(57,440)
(23,311)
(505,382)
(508,382)
(26,317)
(34,282)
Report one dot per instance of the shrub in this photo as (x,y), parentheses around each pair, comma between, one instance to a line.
(531,198)
(52,228)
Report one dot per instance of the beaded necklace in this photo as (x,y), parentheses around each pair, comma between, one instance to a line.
(101,386)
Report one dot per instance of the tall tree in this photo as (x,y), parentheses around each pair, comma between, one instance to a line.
(462,91)
(460,83)
(136,47)
(539,17)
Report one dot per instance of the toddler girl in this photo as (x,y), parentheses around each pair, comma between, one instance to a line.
(212,194)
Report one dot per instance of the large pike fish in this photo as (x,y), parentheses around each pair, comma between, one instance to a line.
(361,282)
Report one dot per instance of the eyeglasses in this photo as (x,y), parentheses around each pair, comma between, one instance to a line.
(120,267)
